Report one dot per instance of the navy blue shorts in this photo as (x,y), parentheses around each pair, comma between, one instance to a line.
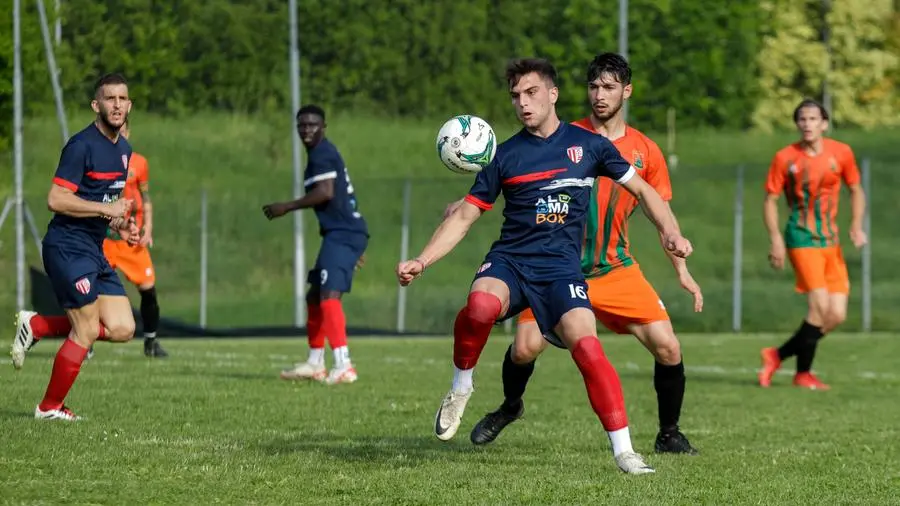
(549,301)
(79,275)
(336,262)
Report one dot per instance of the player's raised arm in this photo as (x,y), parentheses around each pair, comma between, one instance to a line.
(62,199)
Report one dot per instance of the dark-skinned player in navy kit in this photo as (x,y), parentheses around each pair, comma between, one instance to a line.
(344,239)
(545,173)
(84,198)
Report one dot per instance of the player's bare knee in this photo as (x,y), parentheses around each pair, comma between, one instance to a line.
(483,307)
(834,319)
(667,351)
(525,351)
(121,330)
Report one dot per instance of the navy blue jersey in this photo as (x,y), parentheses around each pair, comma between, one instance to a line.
(546,184)
(341,213)
(95,168)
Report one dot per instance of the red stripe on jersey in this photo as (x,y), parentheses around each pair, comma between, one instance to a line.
(534,176)
(477,202)
(58,181)
(106,176)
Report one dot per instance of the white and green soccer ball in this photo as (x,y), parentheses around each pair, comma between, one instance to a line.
(466,144)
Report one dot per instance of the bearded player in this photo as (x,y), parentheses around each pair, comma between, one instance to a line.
(545,173)
(84,198)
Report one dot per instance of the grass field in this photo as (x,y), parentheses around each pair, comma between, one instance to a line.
(213,424)
(244,162)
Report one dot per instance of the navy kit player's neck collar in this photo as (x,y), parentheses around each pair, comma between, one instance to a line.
(545,140)
(103,134)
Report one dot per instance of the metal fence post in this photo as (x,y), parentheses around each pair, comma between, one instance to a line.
(737,282)
(404,254)
(204,255)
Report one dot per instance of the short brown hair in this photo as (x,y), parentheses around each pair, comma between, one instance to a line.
(522,66)
(112,78)
(810,103)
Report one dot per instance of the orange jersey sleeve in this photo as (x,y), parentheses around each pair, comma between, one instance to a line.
(775,178)
(143,175)
(658,171)
(849,169)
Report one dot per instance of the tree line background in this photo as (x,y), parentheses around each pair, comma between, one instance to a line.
(726,65)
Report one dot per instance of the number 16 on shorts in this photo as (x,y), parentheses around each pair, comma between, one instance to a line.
(578,291)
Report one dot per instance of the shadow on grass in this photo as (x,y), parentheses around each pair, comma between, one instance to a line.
(398,451)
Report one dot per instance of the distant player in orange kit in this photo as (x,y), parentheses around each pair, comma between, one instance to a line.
(809,173)
(134,260)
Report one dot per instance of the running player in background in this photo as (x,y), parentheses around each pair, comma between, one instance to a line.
(545,173)
(134,260)
(622,298)
(84,198)
(809,173)
(344,240)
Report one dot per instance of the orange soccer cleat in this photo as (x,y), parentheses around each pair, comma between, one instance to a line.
(771,362)
(810,381)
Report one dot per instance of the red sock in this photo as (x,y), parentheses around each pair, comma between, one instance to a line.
(49,326)
(102,335)
(65,369)
(472,328)
(314,335)
(602,382)
(334,323)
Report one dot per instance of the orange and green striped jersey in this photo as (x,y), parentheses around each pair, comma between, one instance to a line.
(606,230)
(812,185)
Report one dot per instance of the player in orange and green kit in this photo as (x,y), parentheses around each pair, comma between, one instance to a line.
(134,260)
(621,297)
(809,173)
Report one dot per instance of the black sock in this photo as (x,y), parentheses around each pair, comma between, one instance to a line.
(149,312)
(807,351)
(793,345)
(515,379)
(669,382)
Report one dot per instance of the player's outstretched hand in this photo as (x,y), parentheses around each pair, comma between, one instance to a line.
(146,238)
(133,233)
(453,206)
(118,209)
(688,283)
(409,270)
(275,210)
(858,237)
(776,254)
(679,246)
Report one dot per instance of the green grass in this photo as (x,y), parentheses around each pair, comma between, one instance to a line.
(244,162)
(213,424)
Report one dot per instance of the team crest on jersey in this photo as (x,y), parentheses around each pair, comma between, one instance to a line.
(83,286)
(834,165)
(125,161)
(485,266)
(575,153)
(638,159)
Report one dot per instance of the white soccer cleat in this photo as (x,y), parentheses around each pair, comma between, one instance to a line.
(24,339)
(305,371)
(62,413)
(342,375)
(449,416)
(633,463)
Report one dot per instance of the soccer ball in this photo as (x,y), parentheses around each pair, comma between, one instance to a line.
(466,144)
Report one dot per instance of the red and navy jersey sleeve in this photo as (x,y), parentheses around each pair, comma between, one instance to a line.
(609,162)
(72,163)
(486,189)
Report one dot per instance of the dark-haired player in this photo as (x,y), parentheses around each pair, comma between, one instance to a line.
(344,239)
(85,201)
(809,173)
(622,298)
(545,172)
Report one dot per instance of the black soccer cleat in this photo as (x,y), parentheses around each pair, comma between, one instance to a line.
(674,442)
(152,349)
(489,427)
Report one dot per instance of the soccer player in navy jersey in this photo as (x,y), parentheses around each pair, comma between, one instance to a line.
(84,198)
(344,239)
(546,173)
